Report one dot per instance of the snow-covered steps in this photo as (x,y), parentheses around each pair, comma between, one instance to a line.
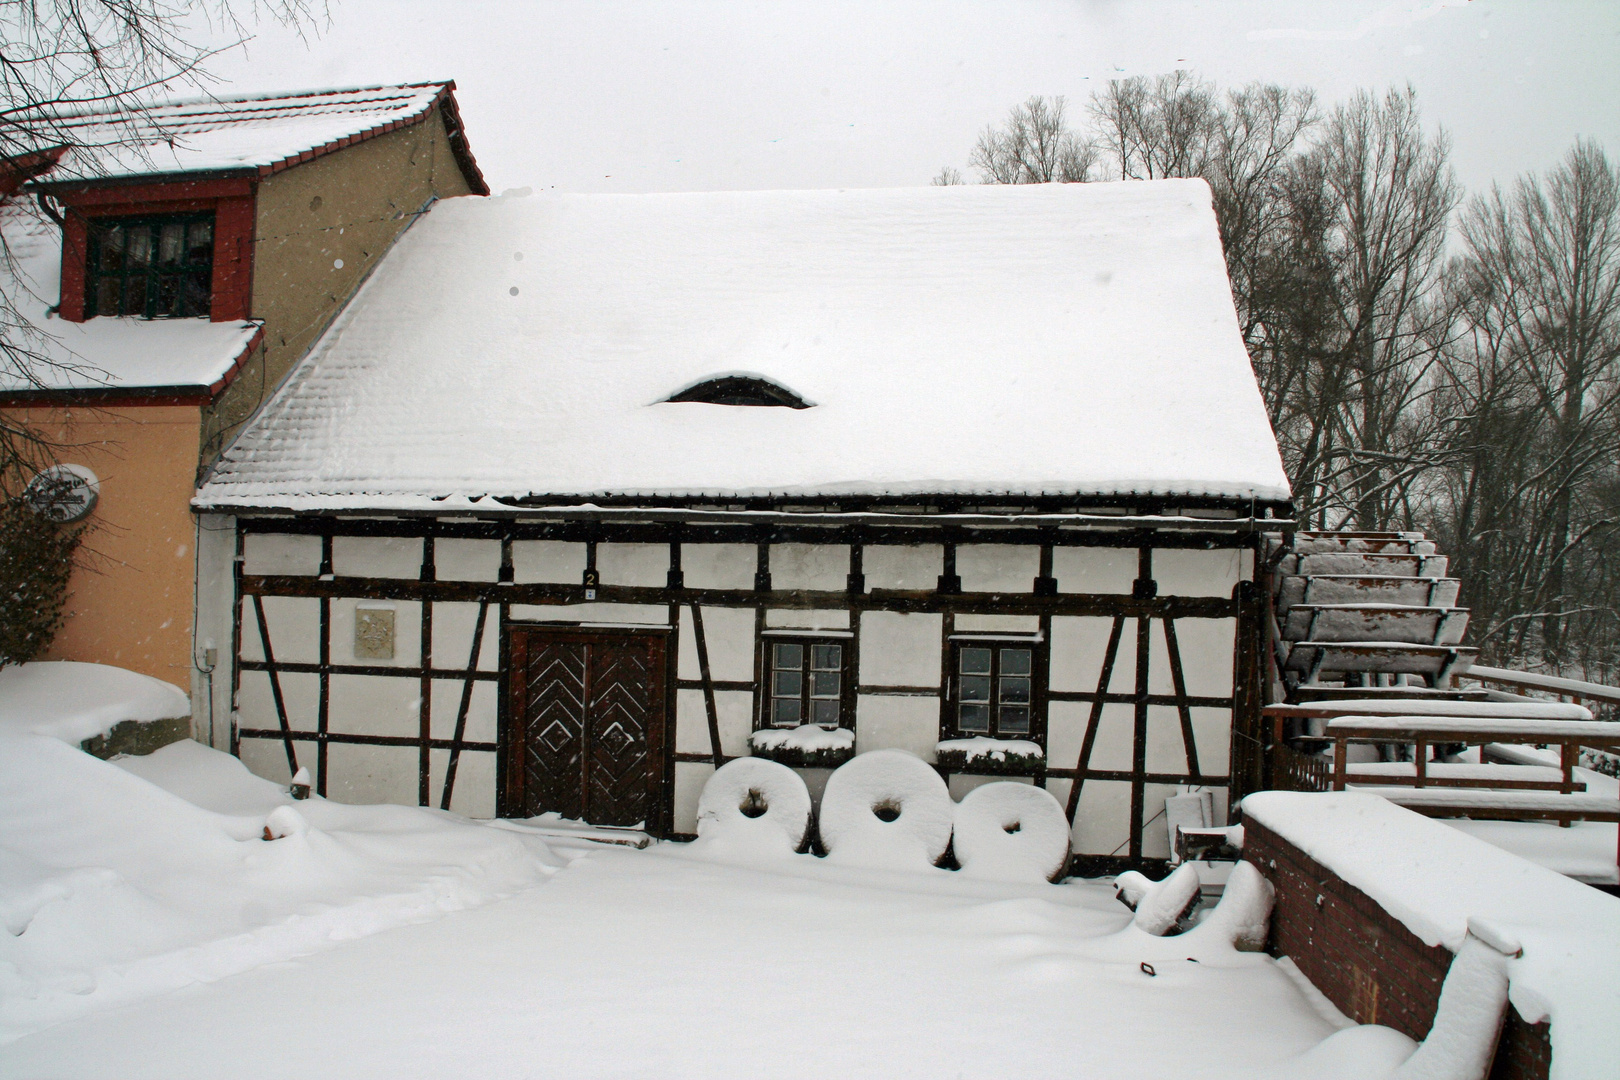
(1375,622)
(1387,543)
(1363,564)
(1439,663)
(1366,589)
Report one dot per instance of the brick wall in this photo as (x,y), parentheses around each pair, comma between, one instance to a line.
(1366,962)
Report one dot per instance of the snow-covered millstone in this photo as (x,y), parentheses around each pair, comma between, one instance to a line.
(990,755)
(751,805)
(1011,832)
(886,808)
(808,746)
(1160,904)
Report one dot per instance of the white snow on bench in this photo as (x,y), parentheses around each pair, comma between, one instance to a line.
(1531,802)
(1434,879)
(1599,731)
(73,701)
(1483,710)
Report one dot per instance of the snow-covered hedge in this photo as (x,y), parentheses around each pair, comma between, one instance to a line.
(1012,757)
(808,746)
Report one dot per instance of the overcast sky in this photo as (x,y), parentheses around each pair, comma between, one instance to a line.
(602,95)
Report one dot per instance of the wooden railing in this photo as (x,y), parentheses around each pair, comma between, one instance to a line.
(1575,690)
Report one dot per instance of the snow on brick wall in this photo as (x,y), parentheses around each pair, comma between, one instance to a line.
(1366,961)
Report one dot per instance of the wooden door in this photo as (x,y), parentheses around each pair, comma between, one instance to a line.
(586,726)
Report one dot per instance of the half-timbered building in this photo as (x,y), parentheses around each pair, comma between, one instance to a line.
(582,496)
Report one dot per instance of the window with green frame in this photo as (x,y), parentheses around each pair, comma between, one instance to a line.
(807,681)
(155,267)
(992,689)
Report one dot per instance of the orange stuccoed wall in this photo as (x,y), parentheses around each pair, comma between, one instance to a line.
(130,601)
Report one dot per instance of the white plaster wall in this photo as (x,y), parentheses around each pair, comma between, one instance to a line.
(734,709)
(997,567)
(968,623)
(806,619)
(467,560)
(614,614)
(689,780)
(893,566)
(474,793)
(960,784)
(295,629)
(1115,734)
(900,650)
(905,723)
(267,758)
(453,625)
(1196,572)
(1065,732)
(1102,821)
(1207,654)
(481,711)
(1094,569)
(810,566)
(280,553)
(1079,646)
(719,566)
(549,561)
(375,705)
(644,565)
(376,556)
(372,774)
(256,705)
(728,634)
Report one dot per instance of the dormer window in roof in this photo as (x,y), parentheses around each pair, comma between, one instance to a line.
(740,390)
(156,266)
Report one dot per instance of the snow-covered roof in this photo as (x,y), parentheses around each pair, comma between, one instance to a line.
(104,355)
(984,341)
(1436,879)
(258,134)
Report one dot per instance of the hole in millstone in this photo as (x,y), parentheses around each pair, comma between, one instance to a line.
(887,810)
(1014,827)
(753,804)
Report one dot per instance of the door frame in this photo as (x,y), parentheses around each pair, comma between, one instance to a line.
(660,812)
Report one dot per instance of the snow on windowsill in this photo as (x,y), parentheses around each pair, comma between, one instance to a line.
(991,755)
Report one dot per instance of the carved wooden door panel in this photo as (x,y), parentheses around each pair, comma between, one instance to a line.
(585,726)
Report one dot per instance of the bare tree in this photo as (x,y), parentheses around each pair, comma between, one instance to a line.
(1033,146)
(1157,128)
(948,176)
(1535,505)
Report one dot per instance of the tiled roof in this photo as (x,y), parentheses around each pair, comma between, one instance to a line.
(260,134)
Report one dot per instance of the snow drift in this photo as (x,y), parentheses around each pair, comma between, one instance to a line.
(113,888)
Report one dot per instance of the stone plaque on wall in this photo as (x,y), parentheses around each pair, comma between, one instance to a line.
(373,633)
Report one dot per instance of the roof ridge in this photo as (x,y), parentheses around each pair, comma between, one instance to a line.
(117,111)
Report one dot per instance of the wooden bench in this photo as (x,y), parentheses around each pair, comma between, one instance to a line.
(1471,724)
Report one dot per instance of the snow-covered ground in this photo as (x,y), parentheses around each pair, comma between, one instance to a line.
(155,933)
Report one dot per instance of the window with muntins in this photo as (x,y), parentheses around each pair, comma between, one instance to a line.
(807,682)
(993,689)
(154,267)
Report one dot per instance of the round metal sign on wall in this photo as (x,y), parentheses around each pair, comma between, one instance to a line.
(63,493)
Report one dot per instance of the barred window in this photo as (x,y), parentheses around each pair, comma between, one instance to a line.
(806,681)
(993,686)
(155,267)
